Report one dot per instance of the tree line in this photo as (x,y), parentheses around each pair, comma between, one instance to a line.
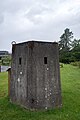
(69,48)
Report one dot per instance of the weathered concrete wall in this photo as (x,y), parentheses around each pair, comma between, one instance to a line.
(18,90)
(34,83)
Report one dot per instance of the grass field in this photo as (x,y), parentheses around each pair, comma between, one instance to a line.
(70,81)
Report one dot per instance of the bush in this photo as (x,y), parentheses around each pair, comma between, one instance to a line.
(77,63)
(61,65)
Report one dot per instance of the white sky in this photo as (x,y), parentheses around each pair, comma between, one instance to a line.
(22,20)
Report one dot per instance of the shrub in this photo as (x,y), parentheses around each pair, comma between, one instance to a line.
(77,63)
(61,65)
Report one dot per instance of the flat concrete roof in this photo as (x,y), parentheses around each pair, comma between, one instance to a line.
(33,41)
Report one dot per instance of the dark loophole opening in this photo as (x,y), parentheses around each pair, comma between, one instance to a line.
(45,60)
(32,100)
(20,61)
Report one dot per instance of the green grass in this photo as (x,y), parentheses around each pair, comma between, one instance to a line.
(70,81)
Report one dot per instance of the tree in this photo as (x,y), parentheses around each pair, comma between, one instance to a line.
(65,45)
(65,40)
(69,50)
(75,43)
(75,52)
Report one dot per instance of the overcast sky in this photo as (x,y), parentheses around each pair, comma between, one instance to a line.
(23,20)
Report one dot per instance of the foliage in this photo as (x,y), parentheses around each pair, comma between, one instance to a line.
(76,64)
(70,79)
(6,60)
(69,51)
(61,65)
(65,40)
